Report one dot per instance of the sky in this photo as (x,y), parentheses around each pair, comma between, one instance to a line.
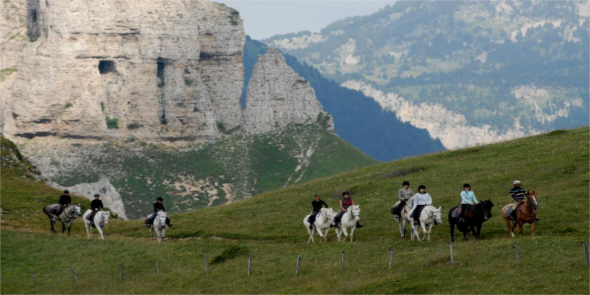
(265,18)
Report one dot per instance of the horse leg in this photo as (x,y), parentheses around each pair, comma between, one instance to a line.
(509,225)
(478,231)
(429,229)
(520,223)
(52,225)
(345,231)
(63,227)
(338,233)
(352,233)
(452,225)
(423,226)
(70,227)
(326,235)
(100,232)
(533,228)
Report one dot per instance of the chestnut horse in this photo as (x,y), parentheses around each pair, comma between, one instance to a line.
(527,213)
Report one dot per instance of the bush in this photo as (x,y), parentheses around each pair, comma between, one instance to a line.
(68,105)
(112,123)
(134,126)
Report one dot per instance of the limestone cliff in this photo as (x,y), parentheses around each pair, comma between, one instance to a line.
(277,96)
(159,70)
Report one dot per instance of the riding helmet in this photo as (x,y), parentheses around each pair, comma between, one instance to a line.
(405,183)
(345,193)
(96,195)
(421,187)
(159,199)
(466,185)
(66,192)
(316,195)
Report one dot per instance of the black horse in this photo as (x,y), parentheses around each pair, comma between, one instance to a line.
(474,217)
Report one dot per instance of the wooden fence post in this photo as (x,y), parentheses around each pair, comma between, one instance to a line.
(74,274)
(205,264)
(391,251)
(516,253)
(33,276)
(586,252)
(298,268)
(249,264)
(157,269)
(343,260)
(451,250)
(122,271)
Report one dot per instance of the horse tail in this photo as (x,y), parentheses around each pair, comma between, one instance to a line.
(45,211)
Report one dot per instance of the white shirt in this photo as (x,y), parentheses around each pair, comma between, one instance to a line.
(422,199)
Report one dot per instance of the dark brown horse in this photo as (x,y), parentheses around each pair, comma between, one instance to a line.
(527,213)
(474,218)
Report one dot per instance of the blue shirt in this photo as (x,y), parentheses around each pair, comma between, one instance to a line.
(468,197)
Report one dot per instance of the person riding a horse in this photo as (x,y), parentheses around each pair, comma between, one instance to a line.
(345,202)
(404,194)
(468,199)
(518,195)
(96,205)
(421,199)
(317,206)
(158,205)
(64,201)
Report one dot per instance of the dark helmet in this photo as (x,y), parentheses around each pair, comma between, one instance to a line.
(159,199)
(66,192)
(406,183)
(345,193)
(316,195)
(421,187)
(466,185)
(96,195)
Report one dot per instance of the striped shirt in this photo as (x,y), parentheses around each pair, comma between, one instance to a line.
(518,194)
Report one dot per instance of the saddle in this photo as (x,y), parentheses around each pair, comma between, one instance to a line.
(457,212)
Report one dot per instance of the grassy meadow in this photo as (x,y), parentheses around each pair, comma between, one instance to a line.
(269,227)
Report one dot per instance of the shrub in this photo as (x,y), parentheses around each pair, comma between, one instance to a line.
(134,126)
(68,105)
(112,123)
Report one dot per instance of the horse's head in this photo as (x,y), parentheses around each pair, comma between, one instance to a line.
(105,216)
(77,209)
(355,210)
(486,207)
(162,215)
(532,199)
(436,213)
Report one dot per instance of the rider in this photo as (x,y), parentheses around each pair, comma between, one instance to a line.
(404,194)
(64,201)
(345,202)
(467,199)
(96,205)
(518,195)
(158,205)
(317,206)
(421,199)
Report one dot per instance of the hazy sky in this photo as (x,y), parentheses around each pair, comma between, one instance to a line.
(263,19)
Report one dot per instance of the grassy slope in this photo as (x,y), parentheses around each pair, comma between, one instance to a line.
(269,225)
(251,164)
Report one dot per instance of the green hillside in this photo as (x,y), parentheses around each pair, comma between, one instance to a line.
(199,175)
(269,228)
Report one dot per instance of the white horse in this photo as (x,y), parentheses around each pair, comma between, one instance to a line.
(322,222)
(405,218)
(430,216)
(159,224)
(349,220)
(100,220)
(67,216)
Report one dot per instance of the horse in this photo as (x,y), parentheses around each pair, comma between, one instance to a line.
(405,218)
(67,216)
(474,218)
(100,220)
(526,213)
(430,216)
(322,222)
(349,220)
(159,225)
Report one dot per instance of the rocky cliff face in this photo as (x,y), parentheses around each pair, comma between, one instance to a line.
(160,70)
(277,96)
(79,76)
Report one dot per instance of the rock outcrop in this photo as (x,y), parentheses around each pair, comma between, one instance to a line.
(277,96)
(160,70)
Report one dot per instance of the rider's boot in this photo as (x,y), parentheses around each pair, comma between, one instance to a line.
(358,224)
(537,218)
(168,222)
